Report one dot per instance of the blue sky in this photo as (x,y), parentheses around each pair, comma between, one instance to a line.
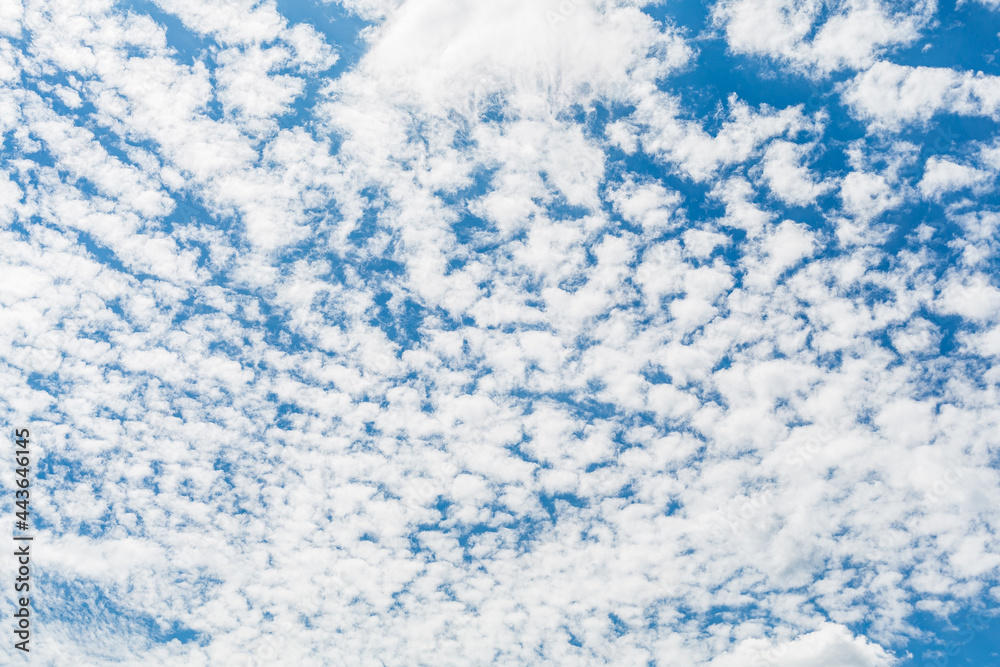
(402,332)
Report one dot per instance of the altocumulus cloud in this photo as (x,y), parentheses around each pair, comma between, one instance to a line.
(519,332)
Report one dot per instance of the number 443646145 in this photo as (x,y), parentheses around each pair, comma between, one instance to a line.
(22,480)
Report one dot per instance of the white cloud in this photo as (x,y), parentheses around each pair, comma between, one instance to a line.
(784,246)
(700,154)
(831,646)
(970,296)
(371,9)
(942,176)
(868,195)
(806,37)
(701,243)
(464,56)
(888,96)
(649,205)
(741,211)
(229,21)
(787,177)
(10,17)
(919,335)
(245,89)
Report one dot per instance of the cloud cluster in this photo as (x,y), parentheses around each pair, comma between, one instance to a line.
(492,348)
(889,95)
(821,37)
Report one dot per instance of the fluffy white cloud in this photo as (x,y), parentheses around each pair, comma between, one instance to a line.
(467,56)
(888,96)
(868,195)
(830,646)
(649,205)
(787,177)
(697,153)
(942,175)
(10,17)
(817,36)
(229,21)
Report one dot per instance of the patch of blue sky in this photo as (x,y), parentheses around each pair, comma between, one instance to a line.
(83,605)
(342,31)
(31,160)
(189,46)
(965,37)
(188,211)
(525,532)
(964,639)
(63,468)
(341,28)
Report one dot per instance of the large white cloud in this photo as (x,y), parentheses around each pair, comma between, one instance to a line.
(889,96)
(821,37)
